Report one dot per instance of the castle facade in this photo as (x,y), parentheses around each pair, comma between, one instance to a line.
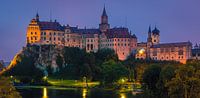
(120,39)
(47,32)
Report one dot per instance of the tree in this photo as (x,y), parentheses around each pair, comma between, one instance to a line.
(166,74)
(59,62)
(26,70)
(151,77)
(105,55)
(185,84)
(130,66)
(112,72)
(7,90)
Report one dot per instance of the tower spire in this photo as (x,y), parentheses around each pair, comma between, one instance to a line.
(37,16)
(149,29)
(104,11)
(149,39)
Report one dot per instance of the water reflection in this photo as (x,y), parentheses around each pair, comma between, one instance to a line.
(122,95)
(84,93)
(45,93)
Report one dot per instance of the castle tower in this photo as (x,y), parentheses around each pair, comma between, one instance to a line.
(149,39)
(149,42)
(104,26)
(155,36)
(37,17)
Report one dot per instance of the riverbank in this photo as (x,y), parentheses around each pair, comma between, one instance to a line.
(72,83)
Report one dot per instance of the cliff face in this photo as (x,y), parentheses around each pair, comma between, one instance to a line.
(44,56)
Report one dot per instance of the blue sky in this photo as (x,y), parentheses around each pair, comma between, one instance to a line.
(178,20)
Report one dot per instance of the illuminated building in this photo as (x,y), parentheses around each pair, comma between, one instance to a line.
(51,32)
(120,39)
(153,49)
(196,52)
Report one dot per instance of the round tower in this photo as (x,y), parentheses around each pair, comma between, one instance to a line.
(155,35)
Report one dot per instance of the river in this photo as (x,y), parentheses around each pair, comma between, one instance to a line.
(54,92)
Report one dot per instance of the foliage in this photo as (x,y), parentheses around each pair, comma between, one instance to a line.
(112,71)
(7,90)
(25,69)
(59,62)
(151,77)
(166,74)
(185,84)
(106,54)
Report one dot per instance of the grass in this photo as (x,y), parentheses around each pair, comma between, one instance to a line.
(71,83)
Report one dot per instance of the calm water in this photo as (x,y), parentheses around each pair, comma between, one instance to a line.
(52,92)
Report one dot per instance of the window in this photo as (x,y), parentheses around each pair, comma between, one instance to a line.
(91,46)
(54,38)
(50,33)
(162,50)
(154,52)
(166,49)
(44,33)
(50,38)
(172,49)
(154,40)
(54,33)
(41,33)
(31,33)
(180,52)
(35,33)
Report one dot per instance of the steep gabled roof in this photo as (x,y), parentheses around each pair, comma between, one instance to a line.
(45,25)
(119,33)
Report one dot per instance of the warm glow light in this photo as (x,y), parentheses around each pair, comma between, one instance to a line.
(123,80)
(45,77)
(45,93)
(122,95)
(84,93)
(141,51)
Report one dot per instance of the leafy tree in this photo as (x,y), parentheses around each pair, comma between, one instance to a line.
(130,65)
(105,55)
(185,84)
(59,62)
(151,77)
(166,74)
(7,90)
(26,70)
(112,71)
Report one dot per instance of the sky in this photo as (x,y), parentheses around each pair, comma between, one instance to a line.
(177,20)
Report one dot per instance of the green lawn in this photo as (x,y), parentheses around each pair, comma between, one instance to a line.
(71,83)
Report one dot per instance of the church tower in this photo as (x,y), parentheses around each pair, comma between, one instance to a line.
(37,17)
(155,36)
(149,39)
(149,42)
(104,26)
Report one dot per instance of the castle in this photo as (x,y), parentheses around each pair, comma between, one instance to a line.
(120,39)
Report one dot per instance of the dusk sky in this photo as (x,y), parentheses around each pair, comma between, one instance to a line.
(178,20)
